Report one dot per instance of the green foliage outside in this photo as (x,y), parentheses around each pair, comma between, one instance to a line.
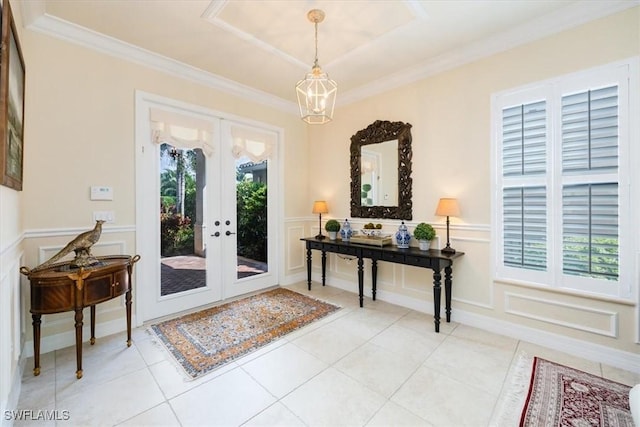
(177,193)
(176,234)
(176,229)
(252,220)
(600,259)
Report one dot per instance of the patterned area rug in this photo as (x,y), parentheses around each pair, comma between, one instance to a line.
(206,340)
(543,393)
(563,396)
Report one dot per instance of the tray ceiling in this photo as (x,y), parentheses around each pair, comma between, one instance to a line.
(267,46)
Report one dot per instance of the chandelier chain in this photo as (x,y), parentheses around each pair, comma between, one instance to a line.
(315,62)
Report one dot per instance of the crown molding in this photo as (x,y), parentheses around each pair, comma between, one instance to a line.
(37,20)
(572,15)
(563,19)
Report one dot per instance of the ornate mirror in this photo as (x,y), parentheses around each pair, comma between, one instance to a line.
(381,171)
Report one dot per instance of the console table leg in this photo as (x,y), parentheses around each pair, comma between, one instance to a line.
(436,299)
(308,267)
(93,325)
(361,280)
(447,292)
(36,343)
(127,299)
(78,319)
(374,277)
(324,267)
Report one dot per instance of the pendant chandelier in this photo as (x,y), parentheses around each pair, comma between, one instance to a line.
(316,92)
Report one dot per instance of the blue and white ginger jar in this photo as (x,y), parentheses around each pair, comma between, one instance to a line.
(346,232)
(403,237)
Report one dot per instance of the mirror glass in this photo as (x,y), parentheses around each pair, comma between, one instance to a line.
(381,171)
(379,174)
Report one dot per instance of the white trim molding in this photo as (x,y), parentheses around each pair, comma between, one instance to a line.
(610,317)
(71,231)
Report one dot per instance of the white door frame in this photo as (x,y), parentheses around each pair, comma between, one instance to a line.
(147,218)
(232,286)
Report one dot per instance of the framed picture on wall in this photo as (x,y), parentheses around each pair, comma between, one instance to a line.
(12,78)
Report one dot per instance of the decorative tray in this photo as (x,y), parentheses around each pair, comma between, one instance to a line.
(381,240)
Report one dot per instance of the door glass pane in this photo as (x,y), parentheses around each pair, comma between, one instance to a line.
(182,247)
(251,199)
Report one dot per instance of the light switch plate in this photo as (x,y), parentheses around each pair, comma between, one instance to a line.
(107,216)
(101,193)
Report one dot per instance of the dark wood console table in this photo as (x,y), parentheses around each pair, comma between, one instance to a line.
(433,259)
(59,288)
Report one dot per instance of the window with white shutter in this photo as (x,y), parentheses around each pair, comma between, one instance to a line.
(563,183)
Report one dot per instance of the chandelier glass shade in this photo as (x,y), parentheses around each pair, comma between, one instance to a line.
(316,92)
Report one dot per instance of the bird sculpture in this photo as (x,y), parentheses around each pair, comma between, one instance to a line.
(81,245)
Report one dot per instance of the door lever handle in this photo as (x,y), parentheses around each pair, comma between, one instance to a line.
(229,233)
(216,234)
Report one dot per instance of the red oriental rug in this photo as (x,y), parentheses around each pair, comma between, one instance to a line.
(563,396)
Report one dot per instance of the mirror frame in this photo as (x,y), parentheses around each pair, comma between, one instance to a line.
(377,132)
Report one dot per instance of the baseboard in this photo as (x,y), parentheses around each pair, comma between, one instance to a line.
(595,352)
(294,278)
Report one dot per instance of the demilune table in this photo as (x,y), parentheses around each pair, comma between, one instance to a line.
(60,288)
(433,259)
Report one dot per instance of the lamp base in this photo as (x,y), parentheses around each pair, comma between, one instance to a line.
(320,237)
(448,250)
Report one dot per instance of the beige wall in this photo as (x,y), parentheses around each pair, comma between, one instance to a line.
(11,258)
(450,113)
(79,131)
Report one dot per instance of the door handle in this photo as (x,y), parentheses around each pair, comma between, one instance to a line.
(229,233)
(216,234)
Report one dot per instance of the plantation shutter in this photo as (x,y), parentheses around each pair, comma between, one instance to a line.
(590,132)
(524,140)
(524,202)
(590,209)
(525,227)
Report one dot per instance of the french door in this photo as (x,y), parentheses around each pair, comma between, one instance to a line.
(214,180)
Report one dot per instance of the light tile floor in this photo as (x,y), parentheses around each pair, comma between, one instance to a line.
(379,365)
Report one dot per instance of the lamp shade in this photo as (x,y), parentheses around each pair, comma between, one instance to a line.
(448,207)
(320,207)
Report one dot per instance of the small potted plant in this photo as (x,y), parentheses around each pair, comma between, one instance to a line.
(332,226)
(424,233)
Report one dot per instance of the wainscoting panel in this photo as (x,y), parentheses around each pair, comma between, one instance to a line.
(582,318)
(471,278)
(11,324)
(296,259)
